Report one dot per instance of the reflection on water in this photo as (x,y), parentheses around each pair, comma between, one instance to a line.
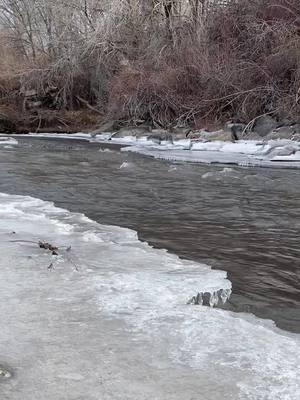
(245,221)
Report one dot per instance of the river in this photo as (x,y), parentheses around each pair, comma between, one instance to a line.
(244,221)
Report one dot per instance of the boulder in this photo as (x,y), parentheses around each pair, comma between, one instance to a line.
(4,373)
(180,132)
(221,135)
(136,131)
(197,134)
(283,132)
(205,298)
(286,122)
(224,135)
(251,136)
(296,128)
(265,125)
(296,137)
(160,135)
(236,129)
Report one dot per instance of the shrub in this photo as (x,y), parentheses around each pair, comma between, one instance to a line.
(165,64)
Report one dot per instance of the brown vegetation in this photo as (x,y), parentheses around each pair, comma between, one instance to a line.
(70,65)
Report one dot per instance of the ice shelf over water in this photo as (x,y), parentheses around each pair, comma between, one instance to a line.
(281,153)
(274,153)
(108,319)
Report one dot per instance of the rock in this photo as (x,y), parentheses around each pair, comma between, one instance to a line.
(226,137)
(4,373)
(136,131)
(160,132)
(160,135)
(6,125)
(211,299)
(196,134)
(206,298)
(296,128)
(285,122)
(179,132)
(251,136)
(296,137)
(265,125)
(236,129)
(283,132)
(222,135)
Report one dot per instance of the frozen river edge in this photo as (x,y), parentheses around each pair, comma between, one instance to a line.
(108,319)
(281,153)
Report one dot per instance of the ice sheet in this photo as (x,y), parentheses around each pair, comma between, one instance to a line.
(216,154)
(118,326)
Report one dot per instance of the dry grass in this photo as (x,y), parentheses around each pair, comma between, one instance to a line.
(245,63)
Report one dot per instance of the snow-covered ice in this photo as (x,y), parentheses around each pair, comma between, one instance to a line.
(118,326)
(283,153)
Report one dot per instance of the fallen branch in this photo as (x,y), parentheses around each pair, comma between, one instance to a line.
(54,250)
(88,105)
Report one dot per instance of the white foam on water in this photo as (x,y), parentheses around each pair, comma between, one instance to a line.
(106,150)
(126,164)
(147,289)
(220,175)
(8,142)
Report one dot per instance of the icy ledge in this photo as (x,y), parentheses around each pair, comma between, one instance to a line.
(118,326)
(271,154)
(138,257)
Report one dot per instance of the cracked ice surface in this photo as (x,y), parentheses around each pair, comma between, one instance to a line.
(119,327)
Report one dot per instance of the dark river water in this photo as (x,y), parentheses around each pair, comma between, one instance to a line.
(245,221)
